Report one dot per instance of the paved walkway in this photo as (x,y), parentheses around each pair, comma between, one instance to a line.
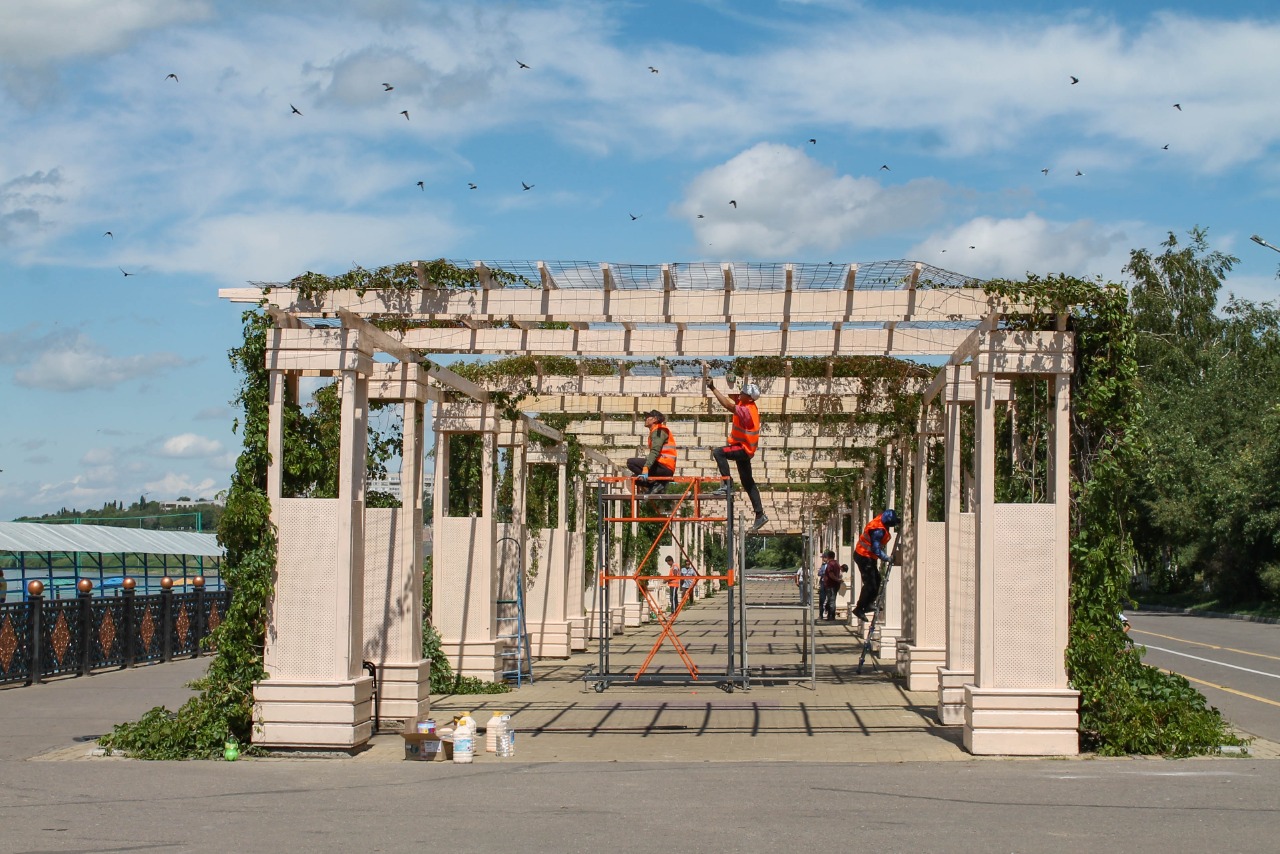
(845,717)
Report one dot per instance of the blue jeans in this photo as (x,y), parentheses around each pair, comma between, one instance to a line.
(827,601)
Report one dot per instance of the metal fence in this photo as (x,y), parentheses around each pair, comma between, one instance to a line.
(57,637)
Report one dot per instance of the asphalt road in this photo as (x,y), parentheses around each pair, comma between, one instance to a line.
(316,806)
(1235,664)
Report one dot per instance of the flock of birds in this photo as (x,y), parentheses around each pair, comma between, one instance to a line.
(525,186)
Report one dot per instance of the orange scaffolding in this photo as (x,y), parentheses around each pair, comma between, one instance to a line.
(618,502)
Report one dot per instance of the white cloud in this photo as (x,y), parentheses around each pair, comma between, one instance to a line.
(189,445)
(278,245)
(788,202)
(71,361)
(25,202)
(38,31)
(98,456)
(1010,248)
(172,485)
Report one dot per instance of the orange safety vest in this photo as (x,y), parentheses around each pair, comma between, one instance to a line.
(667,456)
(746,435)
(864,542)
(675,573)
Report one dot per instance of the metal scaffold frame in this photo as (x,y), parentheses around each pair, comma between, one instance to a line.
(803,582)
(622,506)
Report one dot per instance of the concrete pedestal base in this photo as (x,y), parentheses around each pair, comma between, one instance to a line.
(918,665)
(578,634)
(1021,721)
(593,624)
(481,659)
(634,613)
(551,640)
(404,690)
(951,685)
(333,715)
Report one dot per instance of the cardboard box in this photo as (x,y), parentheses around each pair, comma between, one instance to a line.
(426,747)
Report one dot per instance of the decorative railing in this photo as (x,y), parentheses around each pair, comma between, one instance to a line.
(57,637)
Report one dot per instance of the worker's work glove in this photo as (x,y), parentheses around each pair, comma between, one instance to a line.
(643,477)
(711,384)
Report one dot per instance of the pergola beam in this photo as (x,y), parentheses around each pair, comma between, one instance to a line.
(668,304)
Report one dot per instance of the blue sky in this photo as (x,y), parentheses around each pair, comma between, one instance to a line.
(115,386)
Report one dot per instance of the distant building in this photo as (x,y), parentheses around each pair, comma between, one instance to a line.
(187,503)
(391,484)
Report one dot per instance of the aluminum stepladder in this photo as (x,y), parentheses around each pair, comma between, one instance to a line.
(523,664)
(875,615)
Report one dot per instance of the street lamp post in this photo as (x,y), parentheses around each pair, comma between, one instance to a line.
(1258,240)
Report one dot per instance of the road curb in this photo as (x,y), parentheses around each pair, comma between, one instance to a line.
(1218,615)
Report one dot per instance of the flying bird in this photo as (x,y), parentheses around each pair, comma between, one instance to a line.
(1165,147)
(1178,107)
(295,109)
(521,64)
(973,247)
(1079,173)
(172,77)
(121,269)
(734,203)
(108,234)
(700,216)
(405,113)
(526,186)
(813,142)
(1074,79)
(387,87)
(634,217)
(470,186)
(422,186)
(654,70)
(1045,170)
(885,168)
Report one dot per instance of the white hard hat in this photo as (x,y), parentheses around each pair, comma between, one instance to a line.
(751,390)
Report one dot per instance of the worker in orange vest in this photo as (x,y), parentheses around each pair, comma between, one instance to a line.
(870,548)
(661,461)
(744,438)
(673,583)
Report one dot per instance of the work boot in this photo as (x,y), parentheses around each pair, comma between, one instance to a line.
(717,493)
(759,523)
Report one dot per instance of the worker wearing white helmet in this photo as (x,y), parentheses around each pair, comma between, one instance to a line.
(744,438)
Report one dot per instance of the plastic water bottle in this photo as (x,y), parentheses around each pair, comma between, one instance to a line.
(464,739)
(493,732)
(507,740)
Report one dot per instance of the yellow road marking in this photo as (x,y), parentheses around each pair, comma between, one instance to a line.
(1208,645)
(1224,688)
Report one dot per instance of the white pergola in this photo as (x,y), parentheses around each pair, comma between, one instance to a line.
(979,613)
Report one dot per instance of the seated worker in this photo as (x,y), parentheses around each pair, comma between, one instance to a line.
(870,547)
(661,461)
(744,438)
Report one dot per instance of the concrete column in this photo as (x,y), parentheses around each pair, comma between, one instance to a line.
(576,586)
(464,564)
(393,584)
(1019,702)
(958,539)
(925,576)
(546,593)
(890,622)
(315,694)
